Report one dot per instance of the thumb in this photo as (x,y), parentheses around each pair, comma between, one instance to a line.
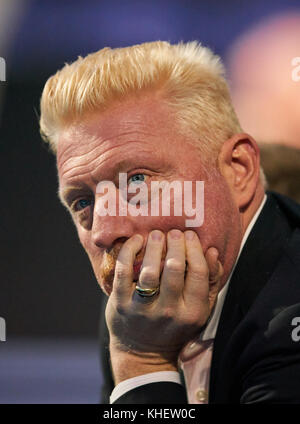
(214,265)
(215,274)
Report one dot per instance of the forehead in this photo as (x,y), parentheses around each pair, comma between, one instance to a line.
(132,129)
(136,114)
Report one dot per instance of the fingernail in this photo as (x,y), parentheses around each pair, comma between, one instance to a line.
(189,235)
(175,234)
(156,235)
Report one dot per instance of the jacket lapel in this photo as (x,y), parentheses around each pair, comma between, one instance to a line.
(256,264)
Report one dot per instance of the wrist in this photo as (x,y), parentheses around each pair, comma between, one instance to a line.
(128,364)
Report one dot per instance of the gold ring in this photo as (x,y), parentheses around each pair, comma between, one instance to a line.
(146,292)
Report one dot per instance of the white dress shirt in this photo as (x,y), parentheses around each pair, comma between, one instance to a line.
(202,347)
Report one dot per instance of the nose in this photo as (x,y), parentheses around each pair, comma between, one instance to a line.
(108,230)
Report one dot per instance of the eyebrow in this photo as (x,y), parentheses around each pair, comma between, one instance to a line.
(67,193)
(123,164)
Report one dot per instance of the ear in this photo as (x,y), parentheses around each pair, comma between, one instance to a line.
(239,163)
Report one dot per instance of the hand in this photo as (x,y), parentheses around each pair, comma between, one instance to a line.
(151,331)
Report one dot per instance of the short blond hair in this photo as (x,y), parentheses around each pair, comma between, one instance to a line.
(189,76)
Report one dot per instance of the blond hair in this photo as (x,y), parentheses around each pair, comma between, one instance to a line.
(189,76)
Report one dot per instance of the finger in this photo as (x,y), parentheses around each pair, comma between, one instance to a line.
(172,279)
(211,257)
(150,272)
(122,285)
(196,280)
(215,274)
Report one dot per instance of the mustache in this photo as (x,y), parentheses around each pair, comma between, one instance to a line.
(109,263)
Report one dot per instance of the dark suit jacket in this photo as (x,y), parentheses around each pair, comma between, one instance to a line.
(255,359)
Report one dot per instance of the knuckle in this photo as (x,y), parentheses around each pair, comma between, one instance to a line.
(175,265)
(121,272)
(121,309)
(117,306)
(198,269)
(148,276)
(168,313)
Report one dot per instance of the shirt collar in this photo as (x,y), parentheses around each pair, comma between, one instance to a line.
(211,328)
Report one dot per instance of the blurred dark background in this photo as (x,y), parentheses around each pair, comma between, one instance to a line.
(48,293)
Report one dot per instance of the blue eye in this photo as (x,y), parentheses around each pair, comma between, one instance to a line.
(137,178)
(82,204)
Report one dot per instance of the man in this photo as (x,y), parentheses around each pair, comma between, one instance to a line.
(216,299)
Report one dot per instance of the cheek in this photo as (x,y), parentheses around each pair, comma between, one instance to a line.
(178,222)
(85,240)
(163,223)
(182,203)
(220,217)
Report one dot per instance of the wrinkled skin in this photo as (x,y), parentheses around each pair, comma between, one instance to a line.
(139,136)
